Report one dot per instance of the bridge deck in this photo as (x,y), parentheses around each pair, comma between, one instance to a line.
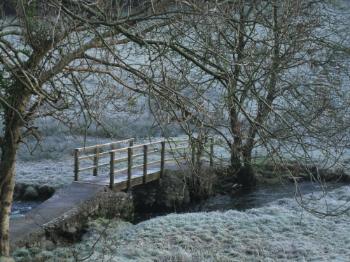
(60,203)
(121,180)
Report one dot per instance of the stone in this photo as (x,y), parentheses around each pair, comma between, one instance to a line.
(45,191)
(30,193)
(21,254)
(173,191)
(107,204)
(169,194)
(19,190)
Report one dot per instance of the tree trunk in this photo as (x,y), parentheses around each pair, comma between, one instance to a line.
(7,180)
(247,155)
(18,99)
(233,101)
(235,155)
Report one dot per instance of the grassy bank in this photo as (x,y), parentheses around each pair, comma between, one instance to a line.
(281,231)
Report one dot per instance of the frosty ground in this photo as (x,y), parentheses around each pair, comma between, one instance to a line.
(52,161)
(280,231)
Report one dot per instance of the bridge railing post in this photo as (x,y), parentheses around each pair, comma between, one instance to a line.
(111,170)
(211,153)
(162,158)
(130,153)
(76,164)
(145,156)
(96,160)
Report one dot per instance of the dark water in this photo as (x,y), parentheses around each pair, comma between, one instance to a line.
(19,208)
(260,196)
(246,199)
(240,200)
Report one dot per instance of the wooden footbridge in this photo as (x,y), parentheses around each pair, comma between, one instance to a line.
(118,165)
(124,164)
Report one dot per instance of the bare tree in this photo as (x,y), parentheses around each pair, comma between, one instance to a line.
(255,73)
(238,68)
(62,59)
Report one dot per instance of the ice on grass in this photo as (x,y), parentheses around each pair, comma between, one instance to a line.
(280,231)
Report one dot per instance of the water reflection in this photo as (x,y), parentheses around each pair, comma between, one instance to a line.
(19,208)
(260,196)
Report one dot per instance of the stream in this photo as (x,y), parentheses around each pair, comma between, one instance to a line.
(260,196)
(240,200)
(19,208)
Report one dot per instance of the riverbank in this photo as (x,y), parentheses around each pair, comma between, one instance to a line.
(174,193)
(279,231)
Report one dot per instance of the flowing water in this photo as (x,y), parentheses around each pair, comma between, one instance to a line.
(240,200)
(19,208)
(261,196)
(246,199)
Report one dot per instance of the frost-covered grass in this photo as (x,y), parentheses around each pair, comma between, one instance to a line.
(55,173)
(281,231)
(51,162)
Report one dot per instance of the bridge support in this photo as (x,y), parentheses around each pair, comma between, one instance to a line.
(145,156)
(111,170)
(129,167)
(162,158)
(76,164)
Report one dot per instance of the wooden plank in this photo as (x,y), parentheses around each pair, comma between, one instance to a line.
(120,170)
(137,155)
(103,164)
(76,165)
(92,167)
(111,170)
(91,156)
(87,168)
(162,158)
(137,181)
(120,149)
(152,174)
(145,152)
(134,146)
(148,144)
(120,159)
(137,166)
(87,149)
(154,162)
(129,167)
(96,159)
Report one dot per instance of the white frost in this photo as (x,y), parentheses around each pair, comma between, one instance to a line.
(281,231)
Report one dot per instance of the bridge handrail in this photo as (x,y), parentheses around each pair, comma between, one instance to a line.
(83,153)
(88,148)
